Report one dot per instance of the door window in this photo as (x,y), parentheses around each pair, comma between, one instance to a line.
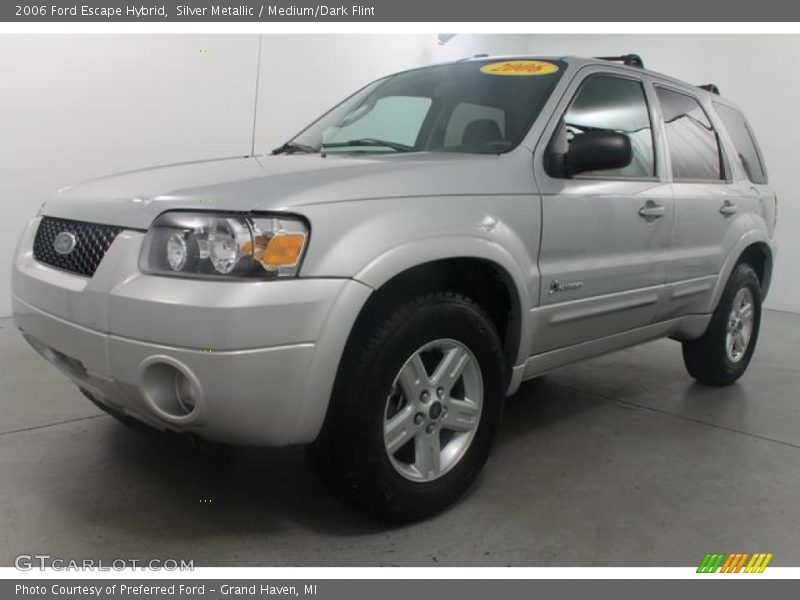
(743,141)
(693,145)
(608,103)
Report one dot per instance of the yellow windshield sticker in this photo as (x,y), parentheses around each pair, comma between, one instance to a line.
(520,67)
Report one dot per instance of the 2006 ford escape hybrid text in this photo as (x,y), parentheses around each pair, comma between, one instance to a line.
(377,285)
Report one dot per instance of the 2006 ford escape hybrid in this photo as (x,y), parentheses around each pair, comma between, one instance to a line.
(378,285)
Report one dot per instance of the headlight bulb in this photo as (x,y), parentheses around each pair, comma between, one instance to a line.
(223,245)
(177,251)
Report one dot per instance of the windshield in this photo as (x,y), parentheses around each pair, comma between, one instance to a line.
(481,107)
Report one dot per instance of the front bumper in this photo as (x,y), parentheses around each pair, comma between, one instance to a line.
(261,356)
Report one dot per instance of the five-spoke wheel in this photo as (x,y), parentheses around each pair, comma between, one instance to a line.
(740,325)
(416,406)
(433,410)
(721,355)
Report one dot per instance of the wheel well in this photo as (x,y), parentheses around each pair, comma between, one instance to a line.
(484,282)
(759,256)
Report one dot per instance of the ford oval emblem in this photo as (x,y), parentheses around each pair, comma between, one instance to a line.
(65,242)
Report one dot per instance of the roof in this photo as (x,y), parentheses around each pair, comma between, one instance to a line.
(579,61)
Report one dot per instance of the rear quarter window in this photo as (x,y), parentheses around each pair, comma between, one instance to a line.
(693,144)
(744,142)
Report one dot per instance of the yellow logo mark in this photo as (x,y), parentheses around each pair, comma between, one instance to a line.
(520,67)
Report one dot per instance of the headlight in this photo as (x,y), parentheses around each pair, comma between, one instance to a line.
(213,245)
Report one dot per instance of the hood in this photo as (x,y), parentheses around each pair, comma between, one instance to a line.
(286,183)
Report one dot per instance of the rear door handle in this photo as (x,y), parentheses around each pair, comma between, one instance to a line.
(728,208)
(652,211)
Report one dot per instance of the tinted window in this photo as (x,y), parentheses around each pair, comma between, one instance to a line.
(396,119)
(693,145)
(459,107)
(743,141)
(606,103)
(464,118)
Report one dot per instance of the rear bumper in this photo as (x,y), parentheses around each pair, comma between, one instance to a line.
(261,356)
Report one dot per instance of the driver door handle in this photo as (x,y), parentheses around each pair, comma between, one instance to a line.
(652,211)
(728,208)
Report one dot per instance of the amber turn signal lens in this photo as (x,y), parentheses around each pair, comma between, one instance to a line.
(281,250)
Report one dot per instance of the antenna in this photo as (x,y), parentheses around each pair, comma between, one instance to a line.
(473,56)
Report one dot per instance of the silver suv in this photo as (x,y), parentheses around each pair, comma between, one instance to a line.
(376,286)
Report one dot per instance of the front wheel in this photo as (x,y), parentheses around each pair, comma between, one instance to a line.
(415,408)
(724,351)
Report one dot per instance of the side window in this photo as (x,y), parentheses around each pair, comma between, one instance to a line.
(743,141)
(467,117)
(391,118)
(693,145)
(608,103)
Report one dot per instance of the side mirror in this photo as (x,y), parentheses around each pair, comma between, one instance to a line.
(596,151)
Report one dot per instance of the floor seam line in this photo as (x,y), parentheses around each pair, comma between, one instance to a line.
(713,425)
(24,429)
(681,417)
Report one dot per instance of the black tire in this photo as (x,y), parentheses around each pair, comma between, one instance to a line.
(350,455)
(707,358)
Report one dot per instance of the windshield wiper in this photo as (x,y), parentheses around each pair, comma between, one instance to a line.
(371,142)
(292,147)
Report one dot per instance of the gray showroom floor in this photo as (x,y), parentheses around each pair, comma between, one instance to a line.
(618,461)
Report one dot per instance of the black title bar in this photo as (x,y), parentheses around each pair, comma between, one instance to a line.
(398,10)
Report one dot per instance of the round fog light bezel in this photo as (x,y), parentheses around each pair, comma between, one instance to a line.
(162,378)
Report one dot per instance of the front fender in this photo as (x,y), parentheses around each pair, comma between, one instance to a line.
(401,258)
(389,237)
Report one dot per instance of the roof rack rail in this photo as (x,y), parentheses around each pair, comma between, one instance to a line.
(474,56)
(630,60)
(710,87)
